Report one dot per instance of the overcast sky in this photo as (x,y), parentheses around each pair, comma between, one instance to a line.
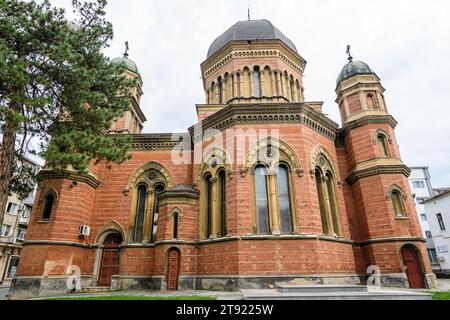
(407,43)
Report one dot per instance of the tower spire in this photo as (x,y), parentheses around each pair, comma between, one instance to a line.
(350,58)
(249,12)
(125,55)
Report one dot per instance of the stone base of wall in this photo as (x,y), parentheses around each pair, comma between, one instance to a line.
(29,287)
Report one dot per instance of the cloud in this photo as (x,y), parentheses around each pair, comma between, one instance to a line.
(405,42)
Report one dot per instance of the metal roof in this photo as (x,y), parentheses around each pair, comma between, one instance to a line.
(250,30)
(353,68)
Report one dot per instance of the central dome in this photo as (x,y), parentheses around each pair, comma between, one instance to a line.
(250,30)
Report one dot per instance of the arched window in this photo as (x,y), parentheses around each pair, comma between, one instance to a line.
(220,83)
(140,213)
(333,203)
(381,140)
(175,225)
(213,93)
(256,82)
(159,188)
(238,81)
(222,204)
(48,206)
(292,85)
(397,203)
(262,208)
(321,196)
(208,205)
(284,199)
(371,102)
(327,195)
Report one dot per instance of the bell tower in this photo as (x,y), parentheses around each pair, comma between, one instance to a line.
(132,121)
(385,215)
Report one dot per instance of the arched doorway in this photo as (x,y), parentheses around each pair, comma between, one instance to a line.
(413,267)
(173,269)
(109,265)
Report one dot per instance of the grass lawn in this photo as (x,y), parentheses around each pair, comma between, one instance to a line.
(441,295)
(137,298)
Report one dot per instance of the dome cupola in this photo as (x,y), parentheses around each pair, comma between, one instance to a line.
(250,30)
(353,68)
(251,62)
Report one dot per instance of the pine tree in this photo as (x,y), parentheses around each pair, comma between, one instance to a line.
(58,91)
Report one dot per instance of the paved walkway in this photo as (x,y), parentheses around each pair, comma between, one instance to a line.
(3,292)
(221,295)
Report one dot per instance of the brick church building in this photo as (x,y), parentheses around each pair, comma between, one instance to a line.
(265,188)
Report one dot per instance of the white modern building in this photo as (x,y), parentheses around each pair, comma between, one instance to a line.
(421,188)
(13,231)
(438,214)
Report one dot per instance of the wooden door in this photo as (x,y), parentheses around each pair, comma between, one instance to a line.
(413,267)
(110,259)
(173,269)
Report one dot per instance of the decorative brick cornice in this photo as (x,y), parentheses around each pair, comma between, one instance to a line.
(159,141)
(390,239)
(369,119)
(55,243)
(269,113)
(380,169)
(70,175)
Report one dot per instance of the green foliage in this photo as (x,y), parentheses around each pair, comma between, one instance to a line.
(58,91)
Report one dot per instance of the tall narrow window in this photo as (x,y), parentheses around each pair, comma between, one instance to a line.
(292,85)
(397,203)
(262,208)
(322,204)
(284,200)
(48,206)
(371,104)
(220,83)
(213,93)
(158,190)
(222,204)
(256,82)
(209,206)
(140,213)
(381,139)
(175,226)
(333,203)
(440,221)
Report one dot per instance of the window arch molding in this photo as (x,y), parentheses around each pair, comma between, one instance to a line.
(379,132)
(214,160)
(396,187)
(258,153)
(321,158)
(138,176)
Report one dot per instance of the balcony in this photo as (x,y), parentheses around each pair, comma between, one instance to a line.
(23,221)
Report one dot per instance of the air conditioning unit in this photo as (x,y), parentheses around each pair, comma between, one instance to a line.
(84,231)
(13,240)
(441,259)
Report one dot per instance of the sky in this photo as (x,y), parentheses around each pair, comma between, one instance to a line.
(407,43)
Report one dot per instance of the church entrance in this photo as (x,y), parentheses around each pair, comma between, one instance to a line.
(110,259)
(173,269)
(413,267)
